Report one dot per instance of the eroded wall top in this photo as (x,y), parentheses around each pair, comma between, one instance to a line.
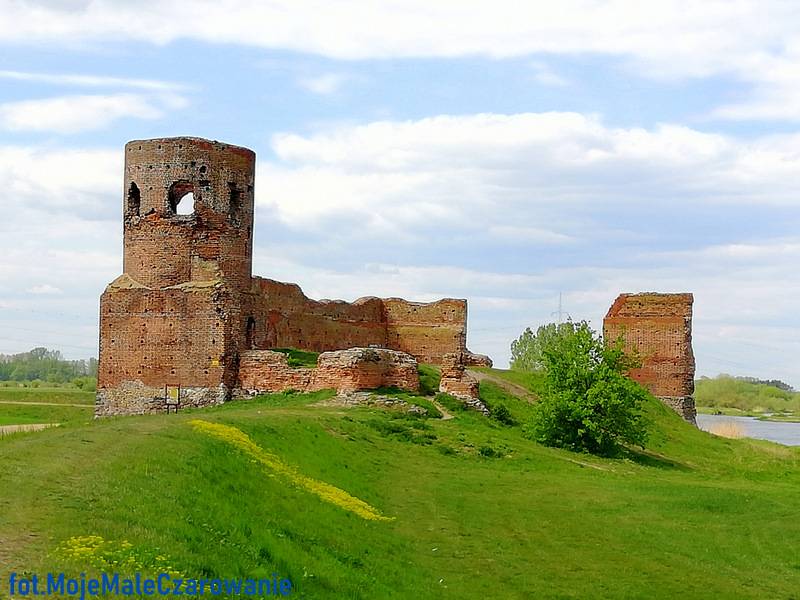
(659,327)
(212,183)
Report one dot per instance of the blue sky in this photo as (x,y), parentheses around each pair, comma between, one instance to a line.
(490,151)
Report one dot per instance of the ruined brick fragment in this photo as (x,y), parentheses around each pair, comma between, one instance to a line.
(659,328)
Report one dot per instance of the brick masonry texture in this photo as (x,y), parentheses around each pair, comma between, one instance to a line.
(460,384)
(187,311)
(659,328)
(351,370)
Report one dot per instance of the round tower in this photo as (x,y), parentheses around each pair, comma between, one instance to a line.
(188,209)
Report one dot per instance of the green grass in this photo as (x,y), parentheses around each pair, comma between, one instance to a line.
(299,358)
(19,414)
(429,378)
(20,406)
(50,395)
(531,381)
(479,511)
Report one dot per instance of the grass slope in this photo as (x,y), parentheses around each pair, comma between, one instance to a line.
(693,516)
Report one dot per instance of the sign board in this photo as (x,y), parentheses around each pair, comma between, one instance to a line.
(173,396)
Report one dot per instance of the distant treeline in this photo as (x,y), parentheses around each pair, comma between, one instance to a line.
(746,393)
(781,385)
(41,364)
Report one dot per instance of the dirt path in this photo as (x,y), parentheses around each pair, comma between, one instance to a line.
(512,388)
(6,429)
(446,416)
(23,403)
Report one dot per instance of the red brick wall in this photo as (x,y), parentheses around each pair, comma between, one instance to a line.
(659,326)
(164,337)
(162,248)
(427,331)
(286,318)
(344,370)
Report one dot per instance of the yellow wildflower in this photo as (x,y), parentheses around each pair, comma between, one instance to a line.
(327,492)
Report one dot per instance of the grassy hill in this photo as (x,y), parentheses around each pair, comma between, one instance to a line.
(464,507)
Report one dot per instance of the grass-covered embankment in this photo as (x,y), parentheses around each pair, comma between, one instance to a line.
(475,509)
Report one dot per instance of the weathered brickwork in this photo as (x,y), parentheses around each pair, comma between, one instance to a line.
(457,382)
(659,328)
(351,370)
(286,318)
(187,311)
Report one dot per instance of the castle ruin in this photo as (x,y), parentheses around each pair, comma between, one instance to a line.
(658,327)
(187,314)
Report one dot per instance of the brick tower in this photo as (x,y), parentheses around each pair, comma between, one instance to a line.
(659,328)
(173,319)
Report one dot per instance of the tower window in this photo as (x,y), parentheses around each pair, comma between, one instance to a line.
(134,200)
(235,200)
(181,198)
(185,205)
(250,336)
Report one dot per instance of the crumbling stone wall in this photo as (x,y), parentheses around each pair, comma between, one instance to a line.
(284,317)
(659,328)
(427,331)
(458,383)
(350,370)
(186,308)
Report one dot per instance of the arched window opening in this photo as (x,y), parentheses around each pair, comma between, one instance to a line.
(181,198)
(235,200)
(185,205)
(251,333)
(134,200)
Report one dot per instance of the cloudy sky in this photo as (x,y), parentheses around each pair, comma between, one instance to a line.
(504,152)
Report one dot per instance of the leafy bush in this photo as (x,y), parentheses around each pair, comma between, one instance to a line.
(501,414)
(489,452)
(587,404)
(87,384)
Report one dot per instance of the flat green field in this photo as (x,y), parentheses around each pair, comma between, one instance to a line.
(20,406)
(461,508)
(49,395)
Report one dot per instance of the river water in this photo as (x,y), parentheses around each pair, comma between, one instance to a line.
(783,433)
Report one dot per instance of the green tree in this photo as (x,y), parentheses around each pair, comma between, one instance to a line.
(526,351)
(587,404)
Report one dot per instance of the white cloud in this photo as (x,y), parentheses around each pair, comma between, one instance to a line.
(544,75)
(324,85)
(70,114)
(79,80)
(528,234)
(74,180)
(476,171)
(754,41)
(44,289)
